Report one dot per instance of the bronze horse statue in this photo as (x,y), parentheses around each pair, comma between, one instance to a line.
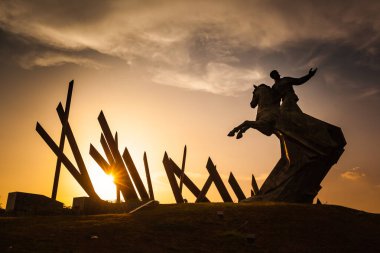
(268,111)
(309,147)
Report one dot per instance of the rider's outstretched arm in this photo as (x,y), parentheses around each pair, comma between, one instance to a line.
(304,79)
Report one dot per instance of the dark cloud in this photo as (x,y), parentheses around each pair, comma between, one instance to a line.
(29,52)
(344,68)
(57,13)
(201,43)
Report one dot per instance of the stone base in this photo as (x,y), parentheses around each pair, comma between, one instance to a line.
(33,204)
(309,148)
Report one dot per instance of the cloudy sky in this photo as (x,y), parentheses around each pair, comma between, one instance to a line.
(170,73)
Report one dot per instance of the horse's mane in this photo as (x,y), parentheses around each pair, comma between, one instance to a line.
(263,85)
(273,96)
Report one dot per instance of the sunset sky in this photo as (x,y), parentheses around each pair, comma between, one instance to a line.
(170,73)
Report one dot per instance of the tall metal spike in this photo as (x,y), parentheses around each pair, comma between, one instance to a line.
(148,179)
(182,169)
(235,186)
(255,188)
(62,141)
(172,180)
(218,181)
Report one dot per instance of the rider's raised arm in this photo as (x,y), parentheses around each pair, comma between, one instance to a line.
(304,79)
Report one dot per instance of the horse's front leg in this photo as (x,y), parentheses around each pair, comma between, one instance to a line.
(236,129)
(245,125)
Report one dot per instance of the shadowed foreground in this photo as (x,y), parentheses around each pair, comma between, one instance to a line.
(198,228)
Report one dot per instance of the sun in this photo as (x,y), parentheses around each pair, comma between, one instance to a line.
(104,185)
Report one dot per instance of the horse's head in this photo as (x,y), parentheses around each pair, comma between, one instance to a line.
(259,93)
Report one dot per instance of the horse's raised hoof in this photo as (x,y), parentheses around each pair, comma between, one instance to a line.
(231,134)
(239,135)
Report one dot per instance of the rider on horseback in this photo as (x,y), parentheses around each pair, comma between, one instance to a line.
(283,88)
(267,99)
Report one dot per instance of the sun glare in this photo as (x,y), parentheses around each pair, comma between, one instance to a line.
(104,186)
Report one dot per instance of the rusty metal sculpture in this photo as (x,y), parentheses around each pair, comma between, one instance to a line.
(173,170)
(121,166)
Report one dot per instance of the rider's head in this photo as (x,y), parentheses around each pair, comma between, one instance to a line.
(275,75)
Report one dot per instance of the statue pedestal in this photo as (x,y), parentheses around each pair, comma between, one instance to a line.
(309,148)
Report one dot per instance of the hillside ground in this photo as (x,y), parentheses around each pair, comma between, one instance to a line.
(212,227)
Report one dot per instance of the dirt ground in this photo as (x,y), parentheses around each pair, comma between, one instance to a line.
(253,227)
